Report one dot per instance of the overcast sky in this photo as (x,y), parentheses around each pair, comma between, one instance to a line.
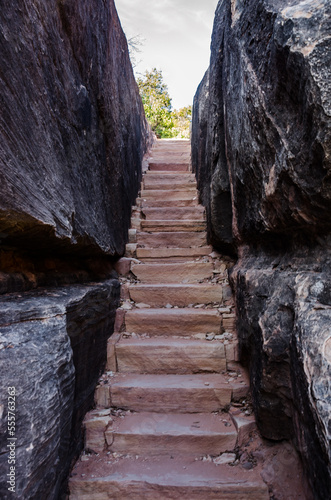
(177,36)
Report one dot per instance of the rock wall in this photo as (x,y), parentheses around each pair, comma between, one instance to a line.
(53,347)
(261,149)
(72,138)
(72,127)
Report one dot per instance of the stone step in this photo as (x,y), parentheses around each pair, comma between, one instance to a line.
(146,254)
(173,225)
(156,203)
(169,194)
(180,184)
(156,434)
(188,272)
(174,213)
(177,295)
(154,181)
(162,478)
(163,355)
(163,154)
(171,146)
(173,393)
(170,322)
(179,157)
(173,167)
(178,239)
(169,175)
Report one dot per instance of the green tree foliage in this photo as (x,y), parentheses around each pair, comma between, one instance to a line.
(157,104)
(182,119)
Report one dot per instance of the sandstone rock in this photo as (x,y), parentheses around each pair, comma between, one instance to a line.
(47,338)
(67,110)
(102,396)
(172,273)
(95,428)
(174,225)
(263,131)
(174,213)
(261,148)
(155,434)
(172,195)
(179,240)
(179,295)
(177,479)
(225,458)
(170,356)
(172,321)
(122,266)
(245,426)
(284,334)
(130,249)
(111,356)
(172,393)
(180,254)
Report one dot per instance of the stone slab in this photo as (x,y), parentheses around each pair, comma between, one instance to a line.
(164,479)
(151,203)
(172,273)
(173,225)
(155,434)
(95,425)
(169,175)
(179,239)
(169,194)
(173,167)
(178,295)
(174,213)
(171,393)
(172,321)
(170,356)
(245,426)
(157,182)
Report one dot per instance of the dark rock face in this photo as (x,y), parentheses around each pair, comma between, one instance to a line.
(209,165)
(72,138)
(52,350)
(284,330)
(72,127)
(267,115)
(261,151)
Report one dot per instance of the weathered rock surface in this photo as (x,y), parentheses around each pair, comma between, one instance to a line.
(72,127)
(284,336)
(261,152)
(262,121)
(47,341)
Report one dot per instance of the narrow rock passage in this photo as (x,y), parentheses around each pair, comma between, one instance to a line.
(172,409)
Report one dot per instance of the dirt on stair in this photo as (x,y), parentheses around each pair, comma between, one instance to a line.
(172,417)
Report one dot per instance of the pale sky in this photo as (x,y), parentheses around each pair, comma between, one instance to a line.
(177,36)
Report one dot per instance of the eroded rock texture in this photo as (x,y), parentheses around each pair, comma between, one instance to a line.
(72,128)
(52,350)
(72,138)
(261,152)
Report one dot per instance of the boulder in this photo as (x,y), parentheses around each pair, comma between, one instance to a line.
(262,121)
(72,128)
(261,147)
(53,346)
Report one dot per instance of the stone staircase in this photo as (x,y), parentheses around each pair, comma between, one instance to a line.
(171,409)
